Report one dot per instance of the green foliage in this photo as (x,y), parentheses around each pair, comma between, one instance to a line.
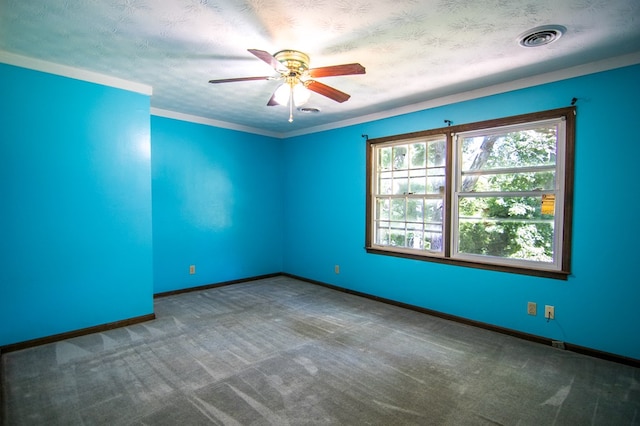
(504,177)
(508,226)
(518,149)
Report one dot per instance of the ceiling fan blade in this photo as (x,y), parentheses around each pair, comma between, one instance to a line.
(268,58)
(231,80)
(327,91)
(272,100)
(346,69)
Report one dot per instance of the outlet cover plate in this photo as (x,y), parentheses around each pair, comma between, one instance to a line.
(549,312)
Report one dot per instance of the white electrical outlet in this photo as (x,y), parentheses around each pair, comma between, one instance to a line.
(192,269)
(532,308)
(336,269)
(549,312)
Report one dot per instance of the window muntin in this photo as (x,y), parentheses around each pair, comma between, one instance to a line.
(491,195)
(502,176)
(409,194)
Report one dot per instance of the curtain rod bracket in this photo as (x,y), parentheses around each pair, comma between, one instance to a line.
(448,122)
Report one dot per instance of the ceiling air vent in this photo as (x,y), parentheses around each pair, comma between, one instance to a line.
(541,36)
(309,110)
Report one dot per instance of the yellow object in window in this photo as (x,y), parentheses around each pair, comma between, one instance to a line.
(548,204)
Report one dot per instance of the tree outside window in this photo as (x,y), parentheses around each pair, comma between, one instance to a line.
(494,194)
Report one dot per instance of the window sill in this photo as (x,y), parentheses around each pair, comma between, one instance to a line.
(558,275)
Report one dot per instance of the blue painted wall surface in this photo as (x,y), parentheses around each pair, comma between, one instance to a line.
(75,197)
(217,204)
(76,209)
(324,193)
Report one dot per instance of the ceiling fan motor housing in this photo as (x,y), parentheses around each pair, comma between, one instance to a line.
(296,62)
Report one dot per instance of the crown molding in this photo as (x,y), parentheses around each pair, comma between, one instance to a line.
(75,73)
(550,77)
(210,122)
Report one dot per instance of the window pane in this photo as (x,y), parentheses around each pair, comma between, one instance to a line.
(382,210)
(418,155)
(534,147)
(433,241)
(508,227)
(435,167)
(414,240)
(436,172)
(503,182)
(417,181)
(398,209)
(415,226)
(433,211)
(400,157)
(385,183)
(400,182)
(397,238)
(433,225)
(436,153)
(436,182)
(415,210)
(384,159)
(382,237)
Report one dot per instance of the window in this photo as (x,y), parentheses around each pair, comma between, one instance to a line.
(493,195)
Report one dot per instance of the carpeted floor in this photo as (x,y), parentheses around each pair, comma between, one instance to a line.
(280,351)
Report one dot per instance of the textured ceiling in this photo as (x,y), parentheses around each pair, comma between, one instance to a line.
(413,50)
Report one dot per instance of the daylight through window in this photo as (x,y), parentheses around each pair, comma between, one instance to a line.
(494,194)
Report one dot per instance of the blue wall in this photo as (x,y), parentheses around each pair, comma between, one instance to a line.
(324,193)
(75,187)
(75,194)
(217,204)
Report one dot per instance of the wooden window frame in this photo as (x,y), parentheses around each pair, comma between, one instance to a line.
(568,114)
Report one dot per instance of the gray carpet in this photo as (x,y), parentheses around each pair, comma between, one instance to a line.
(284,352)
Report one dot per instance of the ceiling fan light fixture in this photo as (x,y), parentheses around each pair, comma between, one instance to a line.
(541,36)
(301,94)
(282,94)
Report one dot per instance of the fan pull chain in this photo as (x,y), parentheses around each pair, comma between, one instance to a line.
(291,105)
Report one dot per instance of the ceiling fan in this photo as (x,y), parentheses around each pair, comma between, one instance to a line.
(298,78)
